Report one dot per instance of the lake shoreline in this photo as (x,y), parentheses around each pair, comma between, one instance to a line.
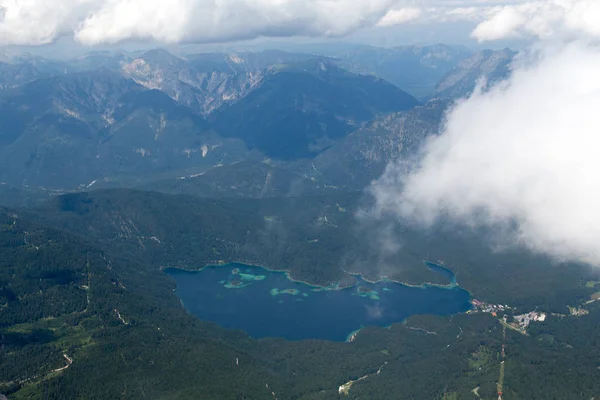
(332,312)
(334,286)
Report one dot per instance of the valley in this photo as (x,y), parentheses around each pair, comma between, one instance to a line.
(202,226)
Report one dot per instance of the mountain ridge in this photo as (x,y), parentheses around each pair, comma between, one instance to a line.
(314,97)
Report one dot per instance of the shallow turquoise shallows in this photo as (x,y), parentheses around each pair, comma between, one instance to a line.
(268,304)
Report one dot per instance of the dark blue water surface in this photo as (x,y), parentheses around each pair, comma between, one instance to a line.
(267,304)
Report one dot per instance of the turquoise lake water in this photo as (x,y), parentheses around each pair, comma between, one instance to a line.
(267,304)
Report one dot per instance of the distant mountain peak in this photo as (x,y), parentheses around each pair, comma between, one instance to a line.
(162,58)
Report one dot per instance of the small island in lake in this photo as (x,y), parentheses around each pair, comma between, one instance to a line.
(234,284)
(368,293)
(277,292)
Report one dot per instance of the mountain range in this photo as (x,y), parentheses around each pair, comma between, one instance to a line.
(322,120)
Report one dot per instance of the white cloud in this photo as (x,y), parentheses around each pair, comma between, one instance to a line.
(35,22)
(442,11)
(506,19)
(92,22)
(400,16)
(525,153)
(544,19)
(38,22)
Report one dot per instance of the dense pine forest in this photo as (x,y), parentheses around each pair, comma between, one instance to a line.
(87,311)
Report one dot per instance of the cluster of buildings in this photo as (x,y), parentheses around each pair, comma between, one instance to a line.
(523,320)
(494,309)
(578,311)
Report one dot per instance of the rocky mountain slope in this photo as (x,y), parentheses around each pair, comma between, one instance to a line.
(71,130)
(485,66)
(207,81)
(362,156)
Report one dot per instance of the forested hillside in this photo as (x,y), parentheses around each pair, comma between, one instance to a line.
(101,326)
(317,238)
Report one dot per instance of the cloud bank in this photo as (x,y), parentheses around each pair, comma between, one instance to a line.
(36,22)
(524,154)
(92,22)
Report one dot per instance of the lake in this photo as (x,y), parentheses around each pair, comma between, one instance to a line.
(267,303)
